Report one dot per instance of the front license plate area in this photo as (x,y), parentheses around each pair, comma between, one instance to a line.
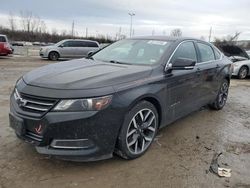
(17,124)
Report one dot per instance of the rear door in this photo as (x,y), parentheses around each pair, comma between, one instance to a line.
(67,49)
(81,50)
(183,85)
(92,46)
(208,68)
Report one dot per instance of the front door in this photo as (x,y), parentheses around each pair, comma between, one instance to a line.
(67,49)
(183,85)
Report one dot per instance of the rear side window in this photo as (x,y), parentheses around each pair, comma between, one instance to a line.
(217,54)
(81,44)
(92,44)
(3,39)
(206,52)
(185,50)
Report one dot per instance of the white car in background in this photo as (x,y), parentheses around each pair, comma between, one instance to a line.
(70,48)
(240,59)
(248,52)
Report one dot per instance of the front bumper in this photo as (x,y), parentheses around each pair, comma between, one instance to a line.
(42,55)
(77,136)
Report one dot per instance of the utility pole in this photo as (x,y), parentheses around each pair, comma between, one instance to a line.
(210,34)
(86,32)
(73,28)
(131,22)
(120,32)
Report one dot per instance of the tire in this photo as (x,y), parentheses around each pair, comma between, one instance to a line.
(54,56)
(243,72)
(138,131)
(221,98)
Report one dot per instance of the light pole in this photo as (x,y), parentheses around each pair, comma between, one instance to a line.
(131,22)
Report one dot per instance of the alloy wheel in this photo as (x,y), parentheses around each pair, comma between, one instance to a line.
(141,131)
(223,94)
(54,56)
(243,73)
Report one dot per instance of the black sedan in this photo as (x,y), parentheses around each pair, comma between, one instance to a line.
(117,99)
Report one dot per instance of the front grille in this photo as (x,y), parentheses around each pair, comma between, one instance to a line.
(33,136)
(33,104)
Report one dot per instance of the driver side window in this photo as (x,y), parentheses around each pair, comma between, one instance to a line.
(186,50)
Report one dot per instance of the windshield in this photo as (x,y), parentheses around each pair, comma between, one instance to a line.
(59,43)
(131,51)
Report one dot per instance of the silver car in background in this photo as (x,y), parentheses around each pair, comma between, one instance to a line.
(69,48)
(240,59)
(241,66)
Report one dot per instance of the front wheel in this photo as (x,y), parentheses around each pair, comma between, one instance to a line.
(243,72)
(53,56)
(221,98)
(138,131)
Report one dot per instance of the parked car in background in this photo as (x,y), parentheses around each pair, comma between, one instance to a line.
(5,48)
(17,43)
(116,100)
(70,48)
(240,59)
(248,52)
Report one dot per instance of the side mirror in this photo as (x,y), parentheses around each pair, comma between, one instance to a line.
(183,64)
(90,54)
(61,46)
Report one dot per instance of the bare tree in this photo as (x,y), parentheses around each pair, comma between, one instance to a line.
(26,20)
(43,28)
(230,39)
(176,33)
(54,31)
(233,38)
(12,21)
(29,22)
(64,32)
(35,24)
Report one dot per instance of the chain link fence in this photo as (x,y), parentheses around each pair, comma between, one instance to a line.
(26,50)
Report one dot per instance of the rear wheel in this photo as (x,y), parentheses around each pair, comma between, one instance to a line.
(243,72)
(53,56)
(221,98)
(138,131)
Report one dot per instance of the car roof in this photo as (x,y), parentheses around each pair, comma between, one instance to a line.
(81,40)
(165,38)
(2,35)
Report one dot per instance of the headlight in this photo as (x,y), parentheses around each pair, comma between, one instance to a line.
(91,104)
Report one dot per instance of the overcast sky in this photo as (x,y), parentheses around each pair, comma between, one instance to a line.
(193,17)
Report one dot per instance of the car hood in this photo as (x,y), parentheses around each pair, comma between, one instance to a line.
(84,74)
(232,50)
(48,47)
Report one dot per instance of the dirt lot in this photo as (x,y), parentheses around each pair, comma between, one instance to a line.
(180,156)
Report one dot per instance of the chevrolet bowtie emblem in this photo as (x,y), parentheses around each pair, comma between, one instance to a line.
(38,129)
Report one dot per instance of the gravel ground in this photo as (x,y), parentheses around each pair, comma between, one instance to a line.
(179,157)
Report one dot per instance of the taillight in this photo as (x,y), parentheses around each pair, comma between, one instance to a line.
(6,46)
